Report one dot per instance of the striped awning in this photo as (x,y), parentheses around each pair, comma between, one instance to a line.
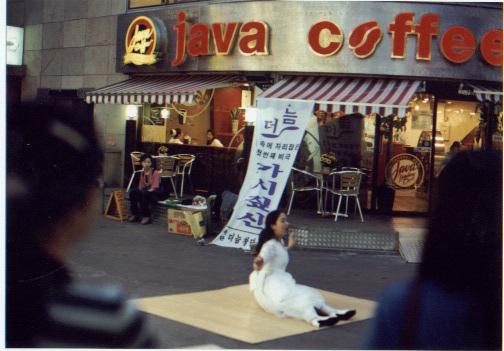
(350,95)
(160,90)
(481,92)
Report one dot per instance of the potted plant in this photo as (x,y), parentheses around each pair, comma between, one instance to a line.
(163,150)
(234,114)
(328,161)
(395,122)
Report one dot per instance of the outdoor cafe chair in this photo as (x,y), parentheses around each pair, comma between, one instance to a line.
(346,184)
(305,181)
(136,166)
(184,167)
(167,167)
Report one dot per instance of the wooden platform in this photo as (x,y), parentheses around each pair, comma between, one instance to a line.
(233,312)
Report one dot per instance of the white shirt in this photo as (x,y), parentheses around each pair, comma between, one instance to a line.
(174,141)
(216,142)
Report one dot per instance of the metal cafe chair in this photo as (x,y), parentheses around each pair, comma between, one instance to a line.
(132,178)
(184,167)
(346,184)
(305,181)
(136,166)
(167,167)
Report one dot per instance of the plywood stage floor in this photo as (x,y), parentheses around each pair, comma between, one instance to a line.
(233,312)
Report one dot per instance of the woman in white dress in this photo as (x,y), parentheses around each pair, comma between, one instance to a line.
(276,291)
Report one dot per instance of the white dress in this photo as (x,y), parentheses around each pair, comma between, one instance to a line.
(276,291)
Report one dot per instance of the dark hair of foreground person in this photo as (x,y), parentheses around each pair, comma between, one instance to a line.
(54,161)
(455,301)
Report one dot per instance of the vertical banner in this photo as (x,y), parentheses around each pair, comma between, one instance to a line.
(278,133)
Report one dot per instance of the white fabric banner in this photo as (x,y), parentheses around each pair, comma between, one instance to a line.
(277,138)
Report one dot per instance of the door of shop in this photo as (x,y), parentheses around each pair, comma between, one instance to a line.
(398,151)
(409,153)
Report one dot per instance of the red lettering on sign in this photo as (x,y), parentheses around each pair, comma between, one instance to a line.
(364,39)
(223,37)
(198,40)
(325,38)
(491,47)
(402,27)
(425,30)
(255,43)
(457,44)
(180,52)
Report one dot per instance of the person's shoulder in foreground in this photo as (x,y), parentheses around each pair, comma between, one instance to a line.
(443,319)
(54,163)
(85,316)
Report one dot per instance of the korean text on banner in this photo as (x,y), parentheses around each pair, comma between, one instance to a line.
(279,130)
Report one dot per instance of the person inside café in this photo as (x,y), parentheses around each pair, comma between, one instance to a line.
(455,148)
(321,117)
(146,193)
(212,140)
(187,139)
(175,136)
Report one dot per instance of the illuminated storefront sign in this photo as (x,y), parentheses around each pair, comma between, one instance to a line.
(325,38)
(253,39)
(194,40)
(457,43)
(262,37)
(141,42)
(14,45)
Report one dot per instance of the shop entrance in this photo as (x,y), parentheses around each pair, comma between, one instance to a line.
(410,152)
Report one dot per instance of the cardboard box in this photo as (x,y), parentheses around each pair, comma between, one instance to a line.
(186,222)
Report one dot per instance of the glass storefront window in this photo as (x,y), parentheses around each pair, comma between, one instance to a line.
(458,122)
(397,155)
(404,159)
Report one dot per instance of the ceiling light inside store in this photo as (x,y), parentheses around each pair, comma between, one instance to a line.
(250,115)
(132,112)
(417,107)
(165,113)
(449,102)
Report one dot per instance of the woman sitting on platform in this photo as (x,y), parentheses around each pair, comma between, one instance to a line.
(146,193)
(275,290)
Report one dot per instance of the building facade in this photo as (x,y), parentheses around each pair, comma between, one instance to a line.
(443,59)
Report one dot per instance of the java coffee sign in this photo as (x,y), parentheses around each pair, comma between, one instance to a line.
(175,45)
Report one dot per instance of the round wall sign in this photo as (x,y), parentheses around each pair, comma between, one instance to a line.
(141,41)
(405,171)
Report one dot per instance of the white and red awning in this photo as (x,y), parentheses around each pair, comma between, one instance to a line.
(482,92)
(160,89)
(350,95)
